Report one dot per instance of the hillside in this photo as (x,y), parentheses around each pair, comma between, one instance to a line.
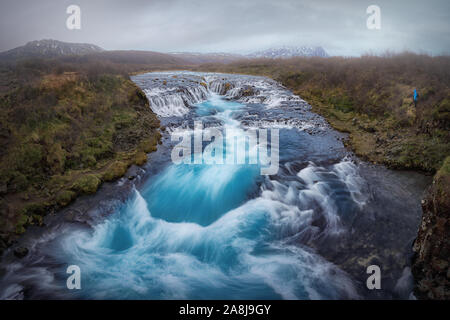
(64,129)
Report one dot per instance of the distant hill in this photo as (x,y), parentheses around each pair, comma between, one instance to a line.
(48,49)
(139,57)
(92,56)
(289,52)
(199,58)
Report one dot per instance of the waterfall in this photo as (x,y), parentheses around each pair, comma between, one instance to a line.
(175,101)
(176,94)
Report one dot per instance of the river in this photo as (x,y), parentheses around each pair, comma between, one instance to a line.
(196,230)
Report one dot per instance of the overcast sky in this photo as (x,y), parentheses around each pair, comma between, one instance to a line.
(232,26)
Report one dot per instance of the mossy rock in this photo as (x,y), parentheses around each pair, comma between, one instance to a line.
(141,158)
(116,170)
(65,197)
(227,87)
(248,92)
(87,184)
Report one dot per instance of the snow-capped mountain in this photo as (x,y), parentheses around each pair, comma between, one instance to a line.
(49,49)
(288,52)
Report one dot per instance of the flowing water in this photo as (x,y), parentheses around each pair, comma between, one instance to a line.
(225,231)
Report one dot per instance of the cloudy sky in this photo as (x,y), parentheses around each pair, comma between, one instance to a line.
(239,26)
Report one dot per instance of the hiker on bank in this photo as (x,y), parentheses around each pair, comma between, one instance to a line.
(416,96)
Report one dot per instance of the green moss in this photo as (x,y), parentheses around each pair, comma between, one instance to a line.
(87,184)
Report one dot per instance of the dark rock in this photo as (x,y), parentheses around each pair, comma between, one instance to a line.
(3,246)
(431,261)
(20,252)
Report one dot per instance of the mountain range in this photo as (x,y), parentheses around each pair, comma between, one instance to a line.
(53,49)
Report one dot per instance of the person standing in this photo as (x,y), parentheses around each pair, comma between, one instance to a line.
(416,96)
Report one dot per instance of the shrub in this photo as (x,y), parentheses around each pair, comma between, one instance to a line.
(116,170)
(87,184)
(65,197)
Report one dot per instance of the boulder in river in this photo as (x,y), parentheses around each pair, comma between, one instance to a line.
(21,252)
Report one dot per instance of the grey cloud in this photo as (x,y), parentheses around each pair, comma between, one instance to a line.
(232,26)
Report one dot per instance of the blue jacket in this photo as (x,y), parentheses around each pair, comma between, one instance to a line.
(415,95)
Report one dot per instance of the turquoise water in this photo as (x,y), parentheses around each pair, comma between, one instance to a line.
(203,193)
(194,232)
